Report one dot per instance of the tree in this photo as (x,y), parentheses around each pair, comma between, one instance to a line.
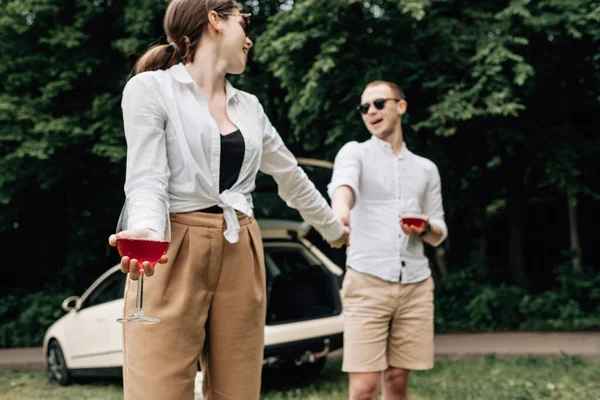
(475,74)
(59,113)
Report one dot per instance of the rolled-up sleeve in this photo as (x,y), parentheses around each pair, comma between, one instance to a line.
(147,171)
(433,206)
(346,169)
(295,188)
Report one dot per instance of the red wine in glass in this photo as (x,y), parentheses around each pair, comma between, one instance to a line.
(413,221)
(142,249)
(411,212)
(143,234)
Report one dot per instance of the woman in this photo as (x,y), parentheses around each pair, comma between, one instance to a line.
(197,142)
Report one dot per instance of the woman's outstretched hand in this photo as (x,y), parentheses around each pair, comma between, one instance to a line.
(342,240)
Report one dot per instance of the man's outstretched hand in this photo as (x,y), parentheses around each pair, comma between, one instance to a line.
(342,240)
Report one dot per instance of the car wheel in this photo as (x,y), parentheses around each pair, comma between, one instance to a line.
(56,366)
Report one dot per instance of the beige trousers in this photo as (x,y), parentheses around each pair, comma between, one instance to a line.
(211,300)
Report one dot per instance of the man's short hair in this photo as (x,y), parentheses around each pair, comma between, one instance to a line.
(395,88)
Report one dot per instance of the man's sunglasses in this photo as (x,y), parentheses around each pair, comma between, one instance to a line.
(378,103)
(245,16)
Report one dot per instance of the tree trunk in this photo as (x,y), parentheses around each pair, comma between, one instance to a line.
(571,198)
(515,251)
(483,242)
(440,261)
(574,232)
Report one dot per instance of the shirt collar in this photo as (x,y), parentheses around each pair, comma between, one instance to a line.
(180,74)
(231,91)
(385,145)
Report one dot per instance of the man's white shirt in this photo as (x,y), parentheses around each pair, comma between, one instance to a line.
(380,181)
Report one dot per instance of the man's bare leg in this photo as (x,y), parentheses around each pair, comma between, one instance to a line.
(364,385)
(395,383)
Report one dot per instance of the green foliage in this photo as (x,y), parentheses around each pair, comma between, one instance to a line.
(496,308)
(467,302)
(575,304)
(61,141)
(326,50)
(26,317)
(452,297)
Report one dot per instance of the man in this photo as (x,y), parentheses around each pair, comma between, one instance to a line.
(388,289)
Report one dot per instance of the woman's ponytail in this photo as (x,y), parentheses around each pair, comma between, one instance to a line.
(160,56)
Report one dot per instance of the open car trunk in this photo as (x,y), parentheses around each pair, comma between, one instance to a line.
(268,205)
(299,285)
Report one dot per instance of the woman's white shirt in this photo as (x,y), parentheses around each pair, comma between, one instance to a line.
(173,153)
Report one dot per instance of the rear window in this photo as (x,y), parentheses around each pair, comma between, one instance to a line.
(268,204)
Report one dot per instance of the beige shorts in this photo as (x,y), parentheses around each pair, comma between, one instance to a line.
(386,324)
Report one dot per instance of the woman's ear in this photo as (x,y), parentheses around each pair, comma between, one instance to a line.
(214,22)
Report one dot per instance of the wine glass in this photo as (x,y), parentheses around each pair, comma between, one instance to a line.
(411,212)
(143,234)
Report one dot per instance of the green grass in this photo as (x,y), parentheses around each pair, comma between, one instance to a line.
(527,378)
(30,385)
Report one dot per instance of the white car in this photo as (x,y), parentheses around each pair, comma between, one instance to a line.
(304,321)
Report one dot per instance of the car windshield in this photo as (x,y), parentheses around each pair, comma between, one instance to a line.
(112,288)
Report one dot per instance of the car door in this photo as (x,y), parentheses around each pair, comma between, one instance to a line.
(94,335)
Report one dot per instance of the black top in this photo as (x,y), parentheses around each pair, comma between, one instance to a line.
(233,148)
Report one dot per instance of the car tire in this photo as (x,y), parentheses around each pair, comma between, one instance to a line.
(56,366)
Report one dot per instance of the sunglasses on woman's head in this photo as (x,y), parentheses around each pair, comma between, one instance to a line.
(378,103)
(245,16)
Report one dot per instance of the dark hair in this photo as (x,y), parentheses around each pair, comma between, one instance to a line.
(183,23)
(395,88)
